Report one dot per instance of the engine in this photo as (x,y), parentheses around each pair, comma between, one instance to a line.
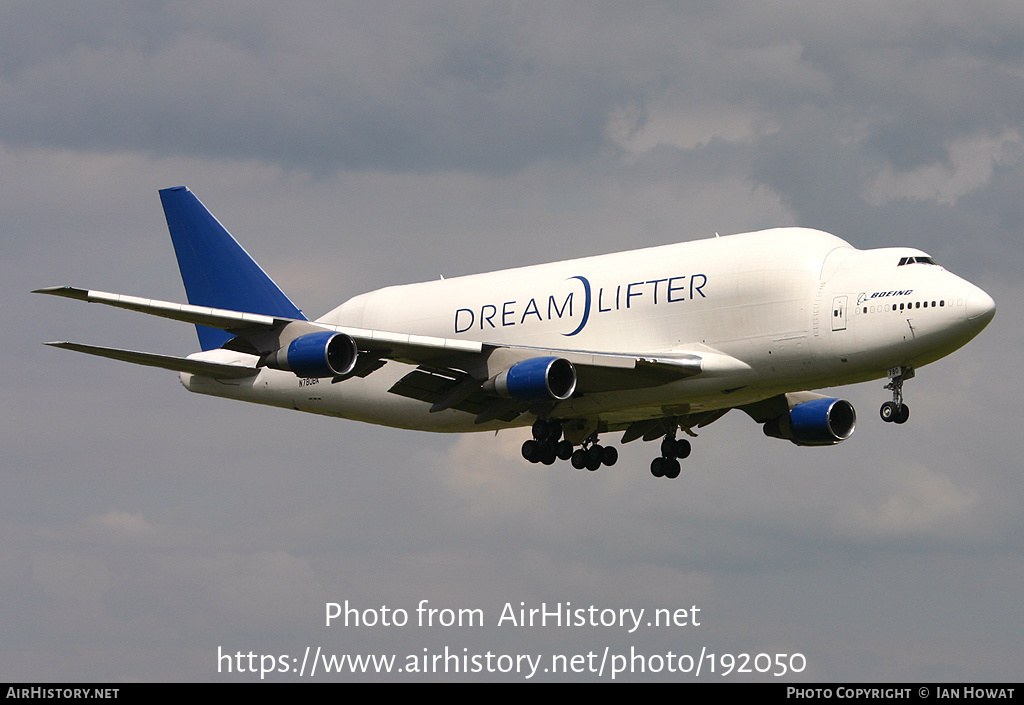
(819,422)
(324,354)
(535,380)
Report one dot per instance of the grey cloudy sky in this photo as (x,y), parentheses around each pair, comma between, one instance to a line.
(355,145)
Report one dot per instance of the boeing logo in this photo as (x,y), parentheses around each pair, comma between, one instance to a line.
(580,302)
(862,297)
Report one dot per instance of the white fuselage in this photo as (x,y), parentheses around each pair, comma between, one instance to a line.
(798,309)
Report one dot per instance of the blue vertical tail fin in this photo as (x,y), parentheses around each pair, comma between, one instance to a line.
(215,269)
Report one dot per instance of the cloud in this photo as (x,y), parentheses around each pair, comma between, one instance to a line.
(685,127)
(121,523)
(918,503)
(969,167)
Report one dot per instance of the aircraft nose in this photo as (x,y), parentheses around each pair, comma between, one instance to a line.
(980,307)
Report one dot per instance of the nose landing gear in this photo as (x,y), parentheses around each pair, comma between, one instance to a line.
(896,411)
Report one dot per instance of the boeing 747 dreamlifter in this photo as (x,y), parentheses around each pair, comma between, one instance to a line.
(646,343)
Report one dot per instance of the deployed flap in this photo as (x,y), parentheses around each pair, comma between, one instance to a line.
(450,390)
(178,364)
(216,270)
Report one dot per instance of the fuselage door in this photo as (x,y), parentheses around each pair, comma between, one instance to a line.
(839,313)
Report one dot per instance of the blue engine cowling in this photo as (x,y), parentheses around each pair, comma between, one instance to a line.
(323,354)
(535,380)
(819,422)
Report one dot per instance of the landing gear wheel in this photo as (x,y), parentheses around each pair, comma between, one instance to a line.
(896,411)
(658,466)
(564,450)
(675,448)
(531,451)
(579,459)
(668,447)
(902,414)
(672,450)
(544,430)
(548,445)
(547,453)
(672,468)
(889,411)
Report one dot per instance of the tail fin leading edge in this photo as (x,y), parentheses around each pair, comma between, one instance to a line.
(216,270)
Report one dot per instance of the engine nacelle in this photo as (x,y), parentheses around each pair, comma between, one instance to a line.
(819,422)
(324,354)
(535,380)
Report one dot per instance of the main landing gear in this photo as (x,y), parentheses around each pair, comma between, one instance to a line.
(548,446)
(672,449)
(896,411)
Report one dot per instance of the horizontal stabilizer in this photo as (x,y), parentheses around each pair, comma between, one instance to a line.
(177,364)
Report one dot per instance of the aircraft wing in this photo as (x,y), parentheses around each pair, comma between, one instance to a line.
(451,373)
(258,328)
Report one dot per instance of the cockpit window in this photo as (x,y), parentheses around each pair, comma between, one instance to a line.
(916,260)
